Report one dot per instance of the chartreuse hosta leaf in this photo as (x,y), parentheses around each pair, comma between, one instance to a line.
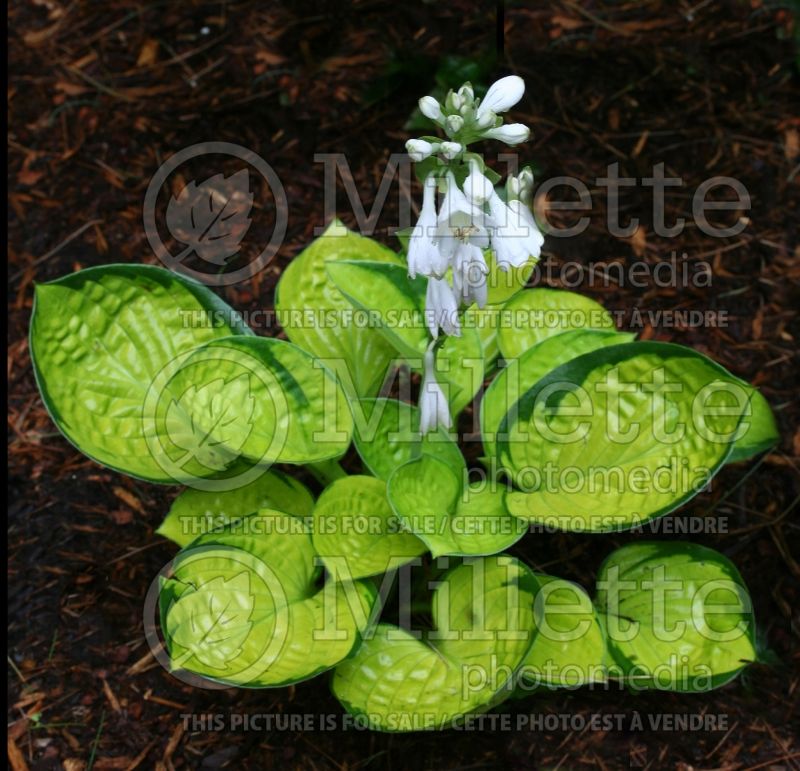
(677,616)
(759,430)
(483,628)
(521,374)
(357,534)
(570,648)
(99,340)
(619,435)
(534,314)
(318,318)
(460,368)
(431,500)
(485,322)
(195,512)
(397,303)
(265,398)
(386,435)
(395,300)
(503,285)
(243,606)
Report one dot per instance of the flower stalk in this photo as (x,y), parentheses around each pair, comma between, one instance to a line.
(450,246)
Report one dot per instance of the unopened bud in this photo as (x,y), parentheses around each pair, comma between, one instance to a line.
(450,149)
(454,123)
(419,149)
(430,108)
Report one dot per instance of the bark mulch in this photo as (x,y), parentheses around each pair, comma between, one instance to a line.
(101,93)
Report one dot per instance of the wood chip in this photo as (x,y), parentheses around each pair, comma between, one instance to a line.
(15,757)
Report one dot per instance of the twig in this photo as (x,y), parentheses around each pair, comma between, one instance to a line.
(596,19)
(56,249)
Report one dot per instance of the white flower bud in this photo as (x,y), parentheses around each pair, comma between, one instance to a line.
(441,308)
(433,408)
(466,93)
(419,149)
(454,123)
(485,119)
(450,149)
(503,94)
(476,186)
(511,134)
(525,184)
(430,108)
(452,102)
(512,187)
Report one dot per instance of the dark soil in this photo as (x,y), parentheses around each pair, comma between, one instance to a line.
(102,93)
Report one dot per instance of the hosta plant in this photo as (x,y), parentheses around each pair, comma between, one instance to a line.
(395,574)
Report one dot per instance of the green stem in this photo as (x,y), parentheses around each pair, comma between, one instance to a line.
(326,471)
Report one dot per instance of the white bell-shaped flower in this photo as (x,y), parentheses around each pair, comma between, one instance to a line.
(433,408)
(441,308)
(533,236)
(424,256)
(515,237)
(469,275)
(459,222)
